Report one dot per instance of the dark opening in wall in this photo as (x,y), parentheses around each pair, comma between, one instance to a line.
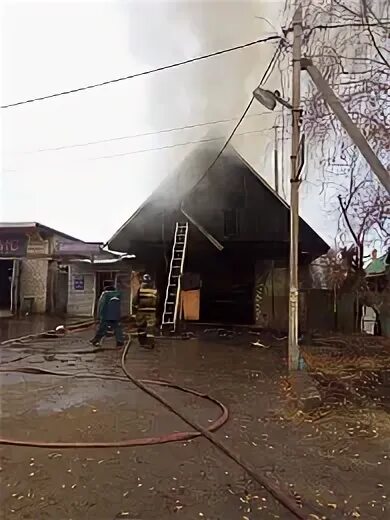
(231,223)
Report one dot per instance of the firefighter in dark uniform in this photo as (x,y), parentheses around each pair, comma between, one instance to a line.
(146,312)
(109,315)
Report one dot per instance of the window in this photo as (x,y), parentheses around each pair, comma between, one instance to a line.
(231,223)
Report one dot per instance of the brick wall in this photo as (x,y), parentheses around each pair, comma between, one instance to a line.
(33,276)
(33,282)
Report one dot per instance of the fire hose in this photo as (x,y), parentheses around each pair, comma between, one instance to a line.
(282,497)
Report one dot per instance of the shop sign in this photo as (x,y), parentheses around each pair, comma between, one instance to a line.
(13,245)
(77,248)
(78,283)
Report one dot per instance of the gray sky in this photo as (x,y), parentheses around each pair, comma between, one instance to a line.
(55,46)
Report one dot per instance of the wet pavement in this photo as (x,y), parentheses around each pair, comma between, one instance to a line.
(334,465)
(15,327)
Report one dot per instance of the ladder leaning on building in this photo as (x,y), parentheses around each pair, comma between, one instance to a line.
(172,295)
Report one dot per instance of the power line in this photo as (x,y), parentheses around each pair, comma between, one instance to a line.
(165,147)
(144,134)
(183,62)
(326,27)
(146,72)
(265,76)
(268,71)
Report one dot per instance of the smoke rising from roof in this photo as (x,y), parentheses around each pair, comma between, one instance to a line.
(179,30)
(216,88)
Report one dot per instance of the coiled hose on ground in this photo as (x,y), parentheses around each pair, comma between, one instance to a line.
(282,497)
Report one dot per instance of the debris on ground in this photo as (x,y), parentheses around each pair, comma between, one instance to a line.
(221,332)
(305,390)
(258,344)
(350,369)
(351,374)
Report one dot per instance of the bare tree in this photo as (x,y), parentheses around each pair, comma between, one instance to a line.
(349,42)
(332,270)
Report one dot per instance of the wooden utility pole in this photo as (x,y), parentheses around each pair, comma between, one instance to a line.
(276,160)
(353,131)
(293,348)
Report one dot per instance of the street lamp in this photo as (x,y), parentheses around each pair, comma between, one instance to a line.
(269,99)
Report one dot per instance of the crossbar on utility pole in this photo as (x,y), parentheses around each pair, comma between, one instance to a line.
(293,348)
(353,131)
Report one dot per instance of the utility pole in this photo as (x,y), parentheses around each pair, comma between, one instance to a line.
(353,131)
(276,160)
(293,348)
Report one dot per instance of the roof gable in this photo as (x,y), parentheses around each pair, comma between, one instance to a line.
(182,191)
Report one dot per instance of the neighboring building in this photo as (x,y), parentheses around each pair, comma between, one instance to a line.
(376,296)
(238,241)
(38,265)
(27,250)
(87,279)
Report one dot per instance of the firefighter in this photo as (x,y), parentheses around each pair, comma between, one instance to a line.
(109,314)
(146,312)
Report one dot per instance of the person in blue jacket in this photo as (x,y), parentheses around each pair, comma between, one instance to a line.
(109,314)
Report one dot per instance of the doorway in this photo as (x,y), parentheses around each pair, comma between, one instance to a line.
(102,280)
(6,270)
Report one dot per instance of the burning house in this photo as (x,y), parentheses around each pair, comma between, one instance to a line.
(224,235)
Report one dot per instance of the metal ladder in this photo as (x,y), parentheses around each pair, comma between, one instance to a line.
(172,296)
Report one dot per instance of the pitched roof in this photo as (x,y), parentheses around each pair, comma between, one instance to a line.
(172,189)
(26,226)
(178,189)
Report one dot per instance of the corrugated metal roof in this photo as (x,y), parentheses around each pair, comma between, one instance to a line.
(39,227)
(18,224)
(104,261)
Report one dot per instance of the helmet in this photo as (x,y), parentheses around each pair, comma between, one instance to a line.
(146,278)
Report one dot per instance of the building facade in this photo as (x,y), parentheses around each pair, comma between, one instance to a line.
(238,241)
(45,270)
(87,280)
(27,253)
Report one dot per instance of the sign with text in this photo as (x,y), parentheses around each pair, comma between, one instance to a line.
(77,248)
(36,248)
(13,245)
(78,283)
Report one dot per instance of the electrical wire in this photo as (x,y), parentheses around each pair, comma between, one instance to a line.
(206,140)
(266,74)
(325,27)
(146,72)
(165,147)
(144,134)
(180,63)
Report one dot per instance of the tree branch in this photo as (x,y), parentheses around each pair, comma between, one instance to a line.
(344,212)
(365,16)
